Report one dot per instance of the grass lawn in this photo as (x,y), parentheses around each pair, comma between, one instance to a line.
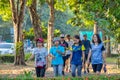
(111,60)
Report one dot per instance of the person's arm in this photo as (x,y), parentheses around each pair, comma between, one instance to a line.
(31,57)
(104,57)
(51,53)
(46,57)
(62,51)
(83,54)
(104,54)
(89,55)
(46,62)
(83,57)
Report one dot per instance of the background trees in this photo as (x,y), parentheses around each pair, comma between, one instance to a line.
(44,17)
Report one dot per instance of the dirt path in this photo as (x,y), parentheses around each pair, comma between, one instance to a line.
(12,71)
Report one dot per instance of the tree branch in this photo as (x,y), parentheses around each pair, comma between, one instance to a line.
(14,12)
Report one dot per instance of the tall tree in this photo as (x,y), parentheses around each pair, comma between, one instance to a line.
(35,19)
(50,23)
(17,18)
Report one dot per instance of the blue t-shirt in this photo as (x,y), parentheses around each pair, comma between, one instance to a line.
(58,57)
(96,50)
(77,54)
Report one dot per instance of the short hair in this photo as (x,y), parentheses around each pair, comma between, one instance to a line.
(85,35)
(98,38)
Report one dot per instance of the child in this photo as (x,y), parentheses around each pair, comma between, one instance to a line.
(40,53)
(77,56)
(56,53)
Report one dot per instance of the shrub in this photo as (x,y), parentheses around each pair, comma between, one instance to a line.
(9,58)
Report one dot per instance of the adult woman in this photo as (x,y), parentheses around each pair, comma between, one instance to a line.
(40,53)
(56,53)
(97,54)
(77,56)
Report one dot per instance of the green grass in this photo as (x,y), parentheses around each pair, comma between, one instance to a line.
(111,60)
(93,77)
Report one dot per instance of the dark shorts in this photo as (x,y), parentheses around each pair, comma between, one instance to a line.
(97,67)
(65,58)
(86,57)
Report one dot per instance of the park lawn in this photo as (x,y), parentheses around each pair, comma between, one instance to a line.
(92,77)
(111,60)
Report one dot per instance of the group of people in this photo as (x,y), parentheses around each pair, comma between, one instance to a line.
(72,54)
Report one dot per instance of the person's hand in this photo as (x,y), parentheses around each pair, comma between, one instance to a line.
(83,64)
(46,67)
(28,61)
(53,57)
(88,62)
(58,51)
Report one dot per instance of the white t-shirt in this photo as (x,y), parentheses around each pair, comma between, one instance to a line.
(40,56)
(70,43)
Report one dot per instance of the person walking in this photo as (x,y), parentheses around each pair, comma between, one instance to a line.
(87,45)
(68,51)
(97,54)
(77,56)
(56,53)
(40,54)
(65,45)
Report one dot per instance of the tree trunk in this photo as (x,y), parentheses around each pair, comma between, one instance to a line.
(35,19)
(104,37)
(17,18)
(108,47)
(50,23)
(95,28)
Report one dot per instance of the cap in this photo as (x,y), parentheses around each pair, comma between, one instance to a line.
(40,40)
(56,39)
(62,35)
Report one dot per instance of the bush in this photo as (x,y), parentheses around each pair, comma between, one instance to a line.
(9,58)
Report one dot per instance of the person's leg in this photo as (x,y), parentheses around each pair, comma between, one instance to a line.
(55,67)
(87,66)
(37,71)
(60,67)
(64,60)
(68,63)
(73,70)
(79,69)
(94,66)
(99,68)
(42,72)
(85,63)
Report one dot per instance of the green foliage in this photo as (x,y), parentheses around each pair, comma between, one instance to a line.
(29,2)
(30,34)
(18,47)
(5,10)
(105,12)
(7,58)
(28,75)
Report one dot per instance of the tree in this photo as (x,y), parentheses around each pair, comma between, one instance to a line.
(17,18)
(50,23)
(102,14)
(35,19)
